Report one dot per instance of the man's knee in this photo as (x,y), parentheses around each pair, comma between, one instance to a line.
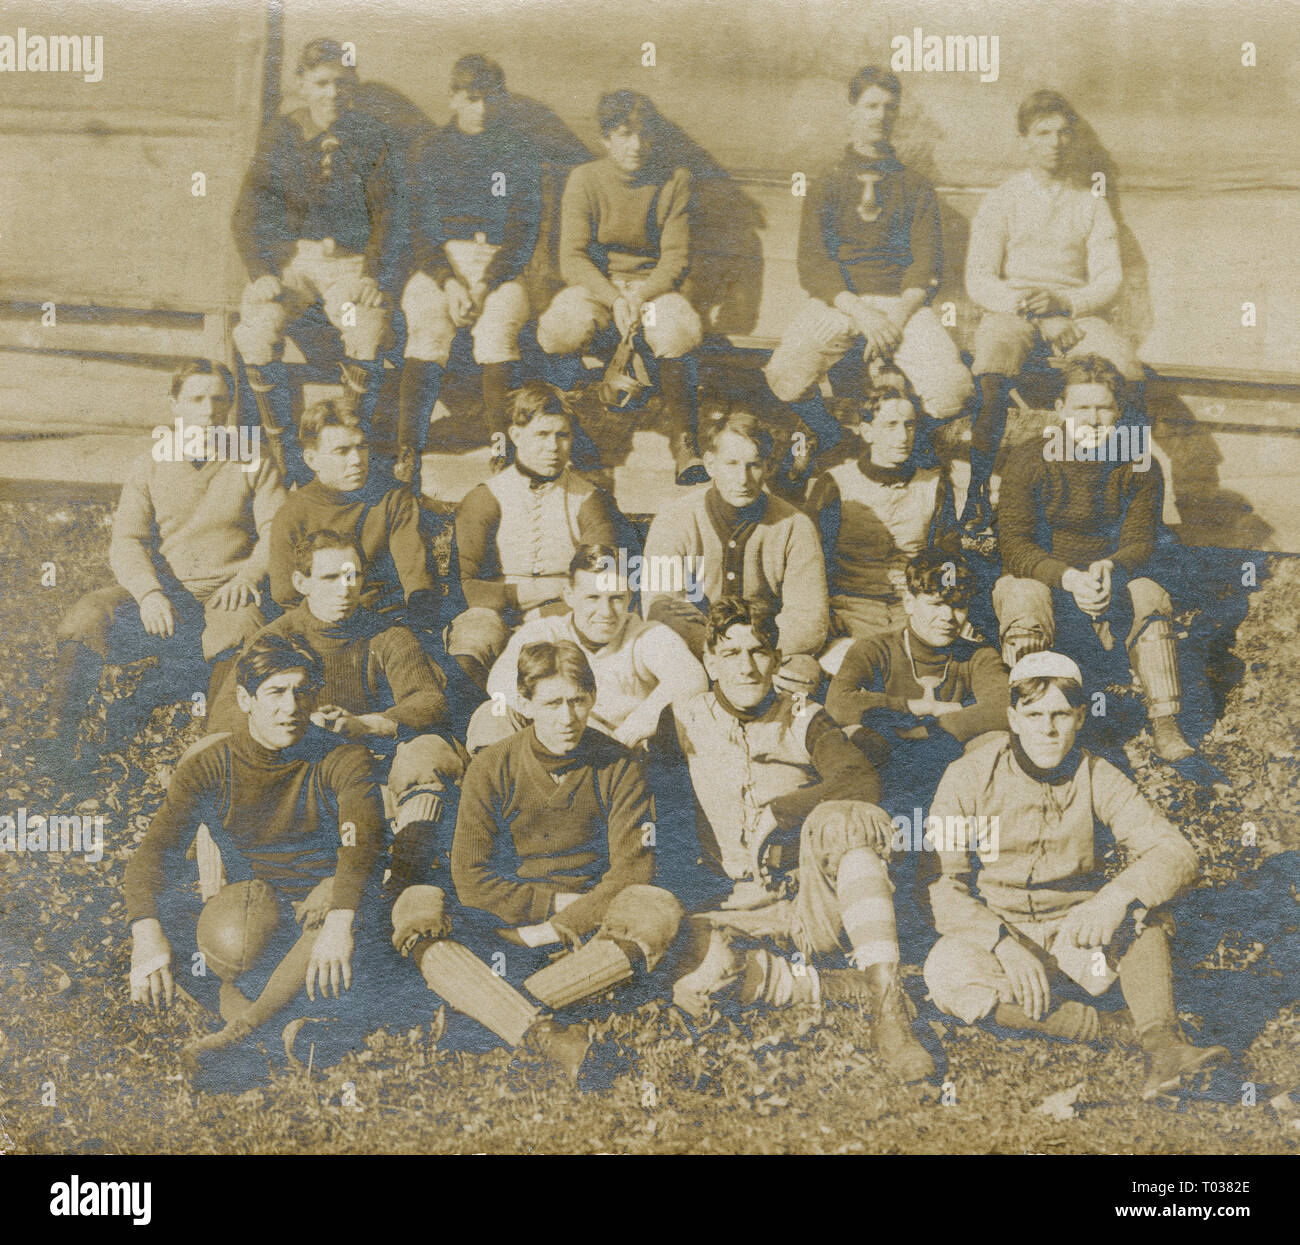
(957,977)
(496,334)
(489,724)
(479,633)
(1150,601)
(1025,603)
(932,363)
(837,827)
(427,761)
(648,916)
(672,327)
(1101,338)
(260,330)
(1002,344)
(570,322)
(818,336)
(224,630)
(429,328)
(89,621)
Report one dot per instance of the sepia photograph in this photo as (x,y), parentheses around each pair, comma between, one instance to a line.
(650,577)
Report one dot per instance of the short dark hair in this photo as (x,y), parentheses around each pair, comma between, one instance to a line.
(890,385)
(1092,369)
(628,108)
(728,612)
(1027,691)
(935,573)
(536,397)
(734,416)
(306,547)
(873,75)
(547,658)
(320,52)
(596,559)
(271,654)
(477,76)
(202,367)
(327,413)
(1043,103)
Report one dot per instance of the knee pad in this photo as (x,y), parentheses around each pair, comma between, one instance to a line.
(425,761)
(839,826)
(420,912)
(260,331)
(646,915)
(677,329)
(429,330)
(789,375)
(236,927)
(568,324)
(369,335)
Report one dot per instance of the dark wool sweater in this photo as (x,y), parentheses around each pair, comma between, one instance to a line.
(522,837)
(452,197)
(900,249)
(1056,516)
(875,682)
(387,527)
(360,201)
(281,812)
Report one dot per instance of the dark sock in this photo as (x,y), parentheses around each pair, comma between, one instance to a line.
(987,428)
(496,390)
(421,383)
(812,411)
(473,669)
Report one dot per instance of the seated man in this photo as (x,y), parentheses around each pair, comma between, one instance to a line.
(321,219)
(476,206)
(736,539)
(517,533)
(554,843)
(381,690)
(1029,910)
(1077,533)
(640,667)
(298,820)
(870,256)
(877,511)
(625,247)
(189,553)
(913,699)
(1044,264)
(344,495)
(779,788)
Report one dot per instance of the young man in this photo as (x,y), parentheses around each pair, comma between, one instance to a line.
(870,256)
(1044,264)
(625,247)
(298,821)
(922,693)
(189,553)
(875,512)
(1077,534)
(345,496)
(381,690)
(1033,911)
(553,845)
(736,539)
(517,533)
(640,667)
(476,207)
(322,219)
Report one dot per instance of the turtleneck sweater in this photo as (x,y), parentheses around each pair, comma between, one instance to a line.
(276,815)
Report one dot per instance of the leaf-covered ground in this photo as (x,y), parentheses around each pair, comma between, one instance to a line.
(83,1071)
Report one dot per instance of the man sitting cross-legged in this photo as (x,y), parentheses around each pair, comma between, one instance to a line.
(1022,903)
(298,820)
(1078,536)
(877,510)
(189,553)
(554,843)
(640,667)
(736,539)
(516,533)
(922,693)
(795,854)
(379,689)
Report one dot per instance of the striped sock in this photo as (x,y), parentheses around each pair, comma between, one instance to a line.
(867,908)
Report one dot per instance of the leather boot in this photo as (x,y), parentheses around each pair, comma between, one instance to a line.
(564,1047)
(896,1044)
(1172,1061)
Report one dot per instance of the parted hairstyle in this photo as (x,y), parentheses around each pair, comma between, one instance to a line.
(202,367)
(733,416)
(890,385)
(320,52)
(536,397)
(948,576)
(327,413)
(873,75)
(547,658)
(1027,691)
(629,108)
(1043,103)
(598,559)
(477,76)
(728,612)
(1092,369)
(306,546)
(272,654)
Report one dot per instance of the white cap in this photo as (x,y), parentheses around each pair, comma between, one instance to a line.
(1045,666)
